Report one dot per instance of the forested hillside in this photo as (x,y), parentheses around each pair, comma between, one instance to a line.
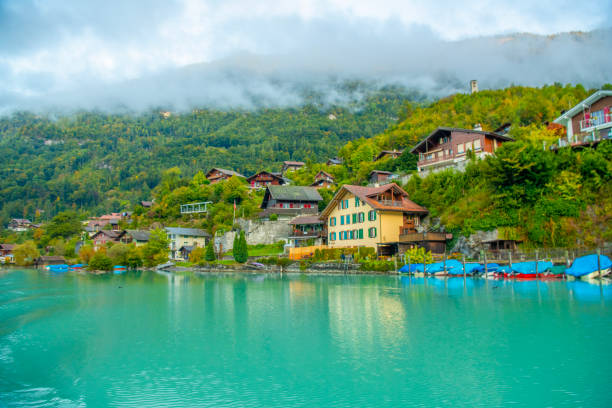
(106,162)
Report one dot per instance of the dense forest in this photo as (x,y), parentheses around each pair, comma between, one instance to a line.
(99,162)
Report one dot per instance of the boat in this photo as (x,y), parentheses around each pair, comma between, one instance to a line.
(491,269)
(412,268)
(525,270)
(119,269)
(585,267)
(77,267)
(57,268)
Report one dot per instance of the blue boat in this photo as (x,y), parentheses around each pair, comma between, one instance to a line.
(119,269)
(491,268)
(412,268)
(525,270)
(77,267)
(57,268)
(585,267)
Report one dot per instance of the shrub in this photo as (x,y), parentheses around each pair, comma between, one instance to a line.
(100,262)
(210,251)
(273,217)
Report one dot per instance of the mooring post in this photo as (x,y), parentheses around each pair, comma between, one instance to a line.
(395,260)
(510,261)
(463,260)
(444,262)
(409,269)
(536,256)
(484,255)
(599,262)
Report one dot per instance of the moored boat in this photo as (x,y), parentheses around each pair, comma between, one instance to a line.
(118,269)
(586,267)
(77,267)
(57,268)
(525,270)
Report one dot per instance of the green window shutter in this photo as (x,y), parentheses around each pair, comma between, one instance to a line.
(356,202)
(361,233)
(342,220)
(354,218)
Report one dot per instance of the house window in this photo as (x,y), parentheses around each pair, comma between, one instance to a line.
(468,146)
(372,232)
(356,202)
(290,205)
(332,221)
(372,215)
(351,235)
(477,144)
(460,148)
(348,219)
(421,156)
(342,220)
(361,217)
(306,205)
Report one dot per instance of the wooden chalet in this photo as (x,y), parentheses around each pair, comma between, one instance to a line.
(264,179)
(307,230)
(323,180)
(290,200)
(216,175)
(448,147)
(334,161)
(292,166)
(378,176)
(6,249)
(101,238)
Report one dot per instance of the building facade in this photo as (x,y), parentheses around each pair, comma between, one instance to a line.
(185,237)
(449,147)
(370,216)
(589,121)
(264,179)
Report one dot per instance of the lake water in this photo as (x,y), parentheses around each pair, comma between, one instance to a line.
(151,340)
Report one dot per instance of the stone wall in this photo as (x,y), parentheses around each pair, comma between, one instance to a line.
(256,232)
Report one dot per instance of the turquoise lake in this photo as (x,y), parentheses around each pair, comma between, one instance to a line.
(153,340)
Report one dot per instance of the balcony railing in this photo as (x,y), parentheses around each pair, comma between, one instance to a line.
(424,236)
(391,203)
(305,234)
(599,120)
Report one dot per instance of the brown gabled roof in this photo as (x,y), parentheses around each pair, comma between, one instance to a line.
(324,173)
(109,233)
(449,130)
(224,171)
(306,220)
(379,172)
(293,163)
(276,175)
(7,247)
(368,194)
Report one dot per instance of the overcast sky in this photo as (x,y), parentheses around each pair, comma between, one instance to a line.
(51,47)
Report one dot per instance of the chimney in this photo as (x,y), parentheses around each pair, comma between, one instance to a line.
(474,86)
(478,127)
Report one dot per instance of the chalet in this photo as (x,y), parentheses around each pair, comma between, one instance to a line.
(378,217)
(448,147)
(20,225)
(334,161)
(385,154)
(264,179)
(589,121)
(290,201)
(306,230)
(181,238)
(379,176)
(146,204)
(292,166)
(6,249)
(102,237)
(139,238)
(323,180)
(216,175)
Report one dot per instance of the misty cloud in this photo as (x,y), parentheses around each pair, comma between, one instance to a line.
(184,54)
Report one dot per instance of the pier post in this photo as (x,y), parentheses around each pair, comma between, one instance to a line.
(444,262)
(510,261)
(484,254)
(409,269)
(463,260)
(395,260)
(599,262)
(536,257)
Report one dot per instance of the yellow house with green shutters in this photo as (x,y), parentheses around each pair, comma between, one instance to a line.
(370,216)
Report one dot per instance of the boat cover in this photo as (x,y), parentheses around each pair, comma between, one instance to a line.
(588,264)
(491,267)
(526,268)
(412,268)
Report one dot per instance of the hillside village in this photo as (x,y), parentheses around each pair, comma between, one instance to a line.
(308,207)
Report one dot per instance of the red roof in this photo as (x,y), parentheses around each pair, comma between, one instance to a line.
(368,195)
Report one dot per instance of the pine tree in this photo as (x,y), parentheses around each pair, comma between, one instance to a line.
(241,254)
(236,246)
(210,251)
